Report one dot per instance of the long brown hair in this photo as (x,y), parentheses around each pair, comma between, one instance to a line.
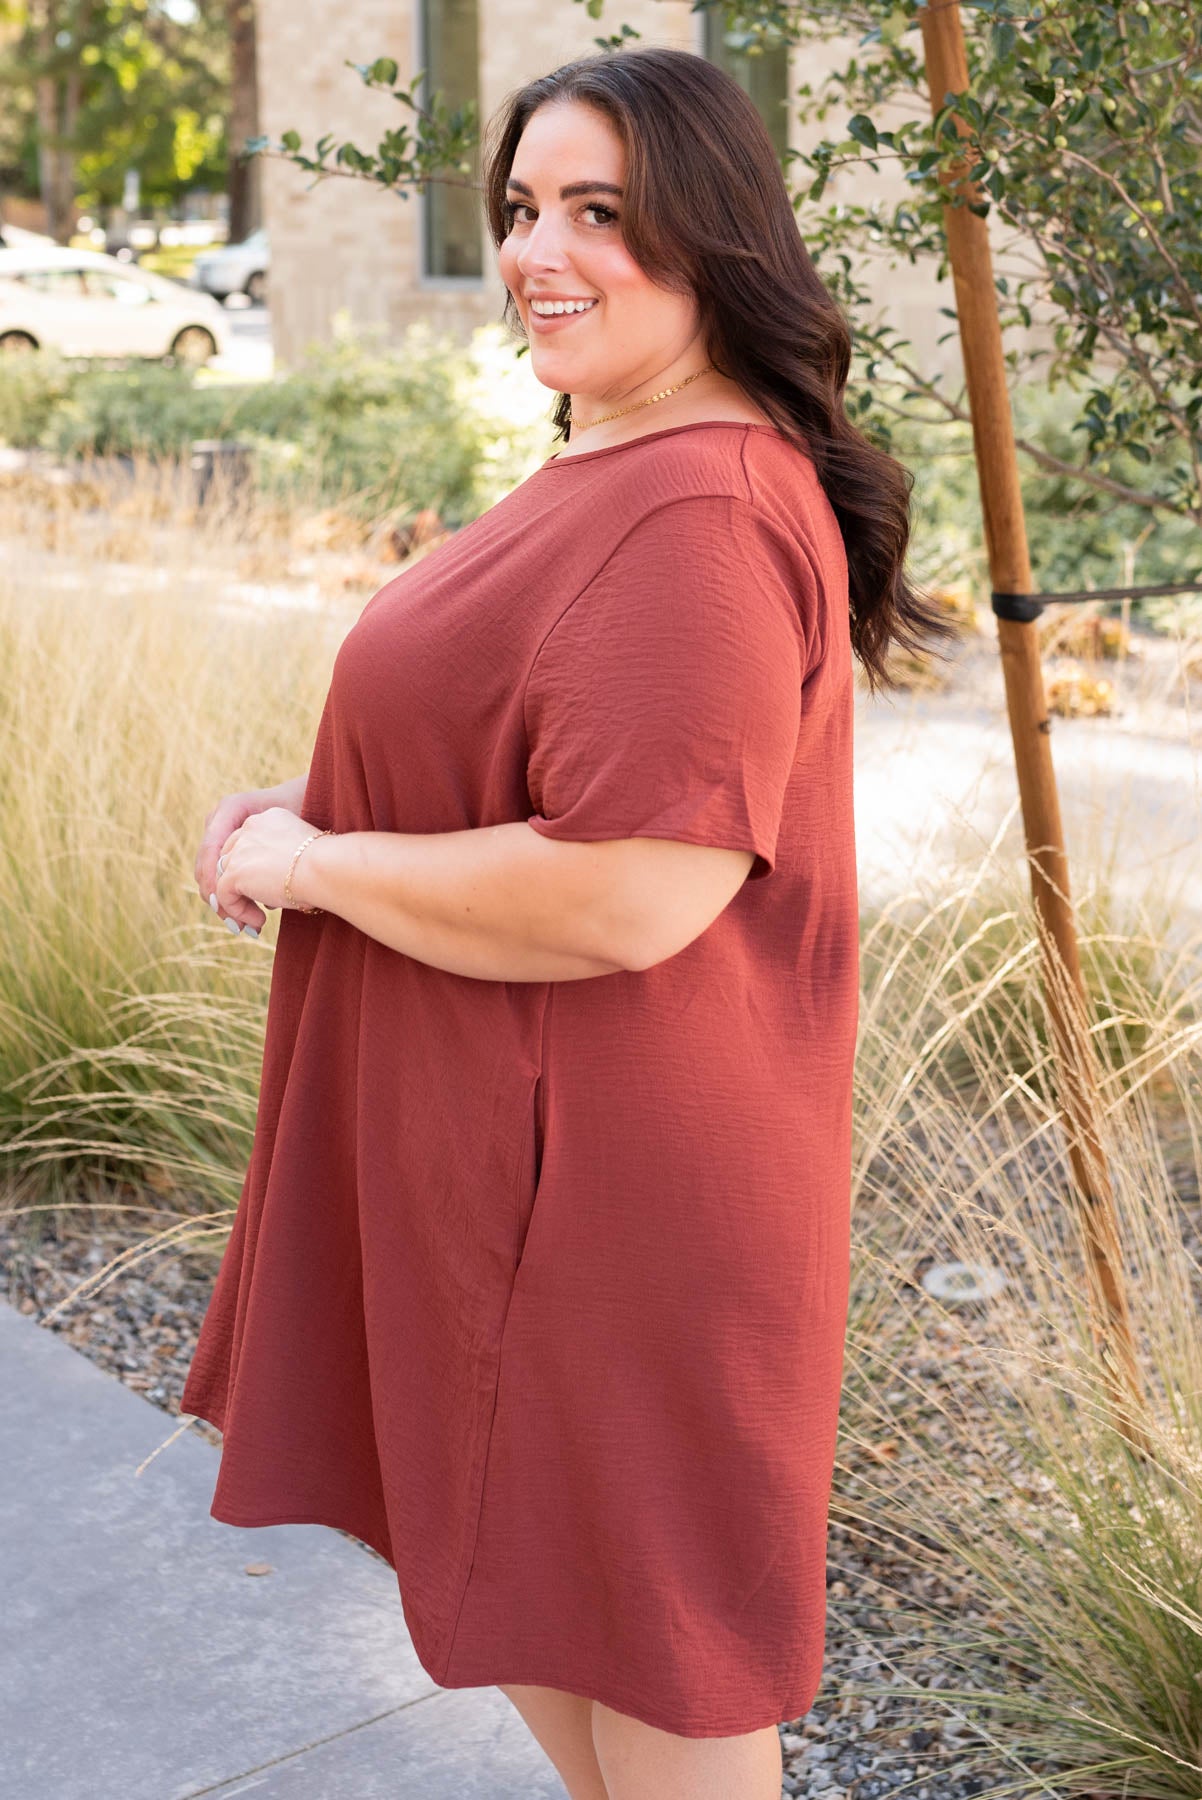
(706,212)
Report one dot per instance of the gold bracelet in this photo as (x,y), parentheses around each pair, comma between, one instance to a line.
(288,900)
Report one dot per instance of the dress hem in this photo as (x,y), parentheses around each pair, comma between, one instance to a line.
(720,1725)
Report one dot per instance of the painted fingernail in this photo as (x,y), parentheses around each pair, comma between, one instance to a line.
(213,901)
(233,925)
(251,930)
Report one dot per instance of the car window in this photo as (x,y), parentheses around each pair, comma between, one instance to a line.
(106,286)
(63,284)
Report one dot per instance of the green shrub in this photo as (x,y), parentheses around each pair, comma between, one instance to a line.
(1078,536)
(377,428)
(371,427)
(149,409)
(33,390)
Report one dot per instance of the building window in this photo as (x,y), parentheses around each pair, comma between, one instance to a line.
(765,76)
(452,216)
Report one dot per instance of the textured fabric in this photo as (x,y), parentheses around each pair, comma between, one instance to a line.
(540,1288)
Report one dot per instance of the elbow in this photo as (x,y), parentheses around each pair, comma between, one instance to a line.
(640,950)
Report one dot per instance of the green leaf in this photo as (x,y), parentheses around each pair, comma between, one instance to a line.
(861,127)
(291,140)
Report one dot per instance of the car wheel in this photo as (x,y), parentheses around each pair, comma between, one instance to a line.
(15,342)
(194,346)
(256,288)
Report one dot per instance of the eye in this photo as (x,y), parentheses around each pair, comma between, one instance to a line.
(511,209)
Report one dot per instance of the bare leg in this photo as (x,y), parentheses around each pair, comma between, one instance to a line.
(640,1762)
(562,1724)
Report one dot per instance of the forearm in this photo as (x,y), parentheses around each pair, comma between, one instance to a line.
(290,793)
(500,903)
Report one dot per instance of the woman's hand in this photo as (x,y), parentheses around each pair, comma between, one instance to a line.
(257,855)
(230,812)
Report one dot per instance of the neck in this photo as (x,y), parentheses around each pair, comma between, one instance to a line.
(587,410)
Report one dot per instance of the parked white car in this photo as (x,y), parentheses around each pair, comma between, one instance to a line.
(83,303)
(235,269)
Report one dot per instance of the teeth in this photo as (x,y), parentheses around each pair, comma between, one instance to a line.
(548,307)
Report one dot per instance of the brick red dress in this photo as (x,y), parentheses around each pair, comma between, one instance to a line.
(540,1288)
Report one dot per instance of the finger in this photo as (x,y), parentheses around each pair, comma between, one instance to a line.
(222,824)
(217,830)
(227,900)
(221,867)
(238,909)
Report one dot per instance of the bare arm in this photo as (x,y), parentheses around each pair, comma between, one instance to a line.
(290,793)
(503,903)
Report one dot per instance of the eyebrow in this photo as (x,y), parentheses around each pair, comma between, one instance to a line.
(573,188)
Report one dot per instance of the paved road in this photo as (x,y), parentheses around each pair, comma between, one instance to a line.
(139,1660)
(249,357)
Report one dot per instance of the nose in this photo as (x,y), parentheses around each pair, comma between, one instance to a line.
(541,248)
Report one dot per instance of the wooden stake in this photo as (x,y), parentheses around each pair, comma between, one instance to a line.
(971,262)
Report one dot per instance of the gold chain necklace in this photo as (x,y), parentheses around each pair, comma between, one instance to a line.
(650,401)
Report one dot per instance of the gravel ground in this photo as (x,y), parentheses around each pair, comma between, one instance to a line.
(142,1328)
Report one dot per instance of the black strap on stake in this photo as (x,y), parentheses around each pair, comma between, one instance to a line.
(1024,607)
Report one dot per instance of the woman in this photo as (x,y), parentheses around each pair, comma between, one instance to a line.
(538,1281)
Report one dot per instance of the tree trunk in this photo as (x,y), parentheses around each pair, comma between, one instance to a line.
(1076,1067)
(50,160)
(244,194)
(59,88)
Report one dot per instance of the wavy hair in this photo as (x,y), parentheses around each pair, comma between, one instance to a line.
(706,212)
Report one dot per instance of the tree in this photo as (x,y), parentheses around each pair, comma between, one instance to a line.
(114,85)
(1086,125)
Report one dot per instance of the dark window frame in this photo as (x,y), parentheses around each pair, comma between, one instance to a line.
(451,221)
(765,77)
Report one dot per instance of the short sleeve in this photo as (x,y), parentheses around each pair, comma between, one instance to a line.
(666,700)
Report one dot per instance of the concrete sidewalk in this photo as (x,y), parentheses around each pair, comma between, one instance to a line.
(139,1661)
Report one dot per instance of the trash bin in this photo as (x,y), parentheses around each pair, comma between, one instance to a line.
(219,466)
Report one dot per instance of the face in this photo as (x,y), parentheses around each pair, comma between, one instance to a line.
(565,242)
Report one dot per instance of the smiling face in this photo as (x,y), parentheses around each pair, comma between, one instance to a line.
(565,242)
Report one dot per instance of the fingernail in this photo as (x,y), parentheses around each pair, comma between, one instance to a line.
(233,925)
(251,930)
(213,901)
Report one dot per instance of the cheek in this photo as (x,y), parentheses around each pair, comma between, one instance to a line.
(616,272)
